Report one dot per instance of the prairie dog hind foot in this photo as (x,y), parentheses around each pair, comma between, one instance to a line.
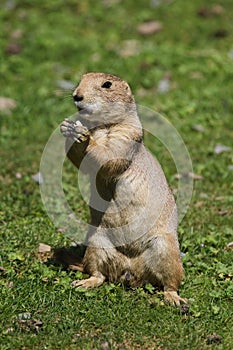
(172,298)
(91,282)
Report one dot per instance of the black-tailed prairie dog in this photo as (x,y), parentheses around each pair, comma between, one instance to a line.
(132,235)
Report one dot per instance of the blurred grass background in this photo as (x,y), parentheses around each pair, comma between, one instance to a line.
(45,48)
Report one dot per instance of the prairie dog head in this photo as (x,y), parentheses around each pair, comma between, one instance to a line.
(104,97)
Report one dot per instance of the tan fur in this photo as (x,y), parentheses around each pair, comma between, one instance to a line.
(131,190)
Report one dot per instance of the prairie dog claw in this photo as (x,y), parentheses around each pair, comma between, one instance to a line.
(75,130)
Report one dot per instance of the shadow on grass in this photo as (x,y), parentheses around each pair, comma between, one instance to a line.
(70,258)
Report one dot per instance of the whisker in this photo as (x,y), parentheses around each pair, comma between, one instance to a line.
(64,93)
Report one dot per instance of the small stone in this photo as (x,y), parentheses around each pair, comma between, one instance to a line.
(155,3)
(230,54)
(218,149)
(198,128)
(10,5)
(24,316)
(163,86)
(184,309)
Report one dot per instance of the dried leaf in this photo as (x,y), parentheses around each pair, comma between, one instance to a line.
(44,248)
(229,246)
(13,48)
(223,212)
(196,75)
(220,198)
(195,176)
(188,175)
(204,12)
(204,195)
(72,216)
(213,338)
(10,284)
(62,229)
(17,34)
(7,104)
(220,33)
(177,176)
(105,346)
(44,252)
(217,10)
(30,324)
(2,270)
(149,28)
(9,330)
(129,48)
(199,204)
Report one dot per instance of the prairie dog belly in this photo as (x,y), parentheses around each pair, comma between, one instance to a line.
(135,206)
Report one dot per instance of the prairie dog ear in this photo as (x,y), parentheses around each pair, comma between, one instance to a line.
(127,89)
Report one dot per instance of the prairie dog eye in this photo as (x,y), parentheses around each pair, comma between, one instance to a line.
(107,84)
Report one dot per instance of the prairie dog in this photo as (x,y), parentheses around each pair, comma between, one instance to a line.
(133,231)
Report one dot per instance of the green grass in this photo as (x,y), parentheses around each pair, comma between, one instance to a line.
(60,41)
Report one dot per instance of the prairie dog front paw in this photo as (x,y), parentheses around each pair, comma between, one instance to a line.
(75,130)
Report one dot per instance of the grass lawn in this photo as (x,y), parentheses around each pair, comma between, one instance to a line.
(45,47)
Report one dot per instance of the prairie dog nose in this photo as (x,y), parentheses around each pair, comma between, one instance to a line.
(77,98)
